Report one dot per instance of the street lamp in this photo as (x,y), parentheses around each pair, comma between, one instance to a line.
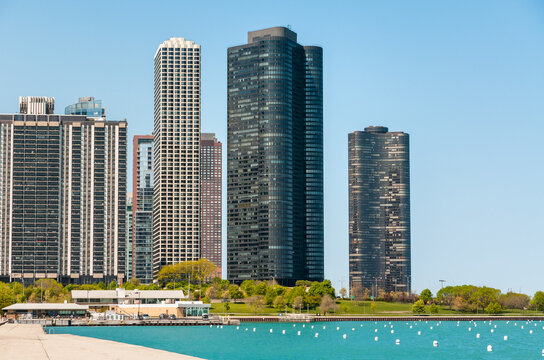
(139,301)
(442,283)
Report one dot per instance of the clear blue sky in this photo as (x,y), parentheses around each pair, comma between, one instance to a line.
(464,78)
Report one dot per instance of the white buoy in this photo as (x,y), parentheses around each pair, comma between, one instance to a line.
(323,327)
(397,341)
(352,329)
(435,343)
(211,325)
(237,328)
(469,329)
(316,334)
(283,332)
(392,331)
(375,330)
(419,332)
(431,328)
(271,331)
(312,326)
(489,348)
(344,336)
(505,337)
(495,326)
(303,325)
(477,336)
(530,331)
(542,352)
(410,326)
(376,339)
(298,332)
(522,326)
(337,328)
(492,331)
(254,329)
(294,325)
(221,326)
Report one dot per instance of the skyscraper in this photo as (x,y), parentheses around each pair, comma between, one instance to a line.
(210,199)
(379,210)
(129,237)
(142,265)
(275,159)
(62,211)
(176,201)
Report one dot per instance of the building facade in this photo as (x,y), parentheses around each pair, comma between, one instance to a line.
(129,215)
(210,199)
(275,159)
(62,195)
(176,133)
(142,182)
(379,210)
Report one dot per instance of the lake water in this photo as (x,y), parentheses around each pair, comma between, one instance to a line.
(255,341)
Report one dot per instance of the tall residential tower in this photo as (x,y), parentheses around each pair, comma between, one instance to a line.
(275,159)
(62,195)
(379,210)
(142,209)
(210,200)
(176,153)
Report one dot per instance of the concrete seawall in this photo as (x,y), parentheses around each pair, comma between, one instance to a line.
(29,342)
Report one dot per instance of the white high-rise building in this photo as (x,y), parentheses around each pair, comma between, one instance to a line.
(176,199)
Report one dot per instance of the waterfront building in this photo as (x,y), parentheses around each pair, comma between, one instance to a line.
(62,196)
(379,210)
(41,310)
(87,106)
(128,238)
(275,159)
(210,199)
(176,153)
(142,182)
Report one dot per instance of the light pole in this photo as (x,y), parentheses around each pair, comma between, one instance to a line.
(442,283)
(139,301)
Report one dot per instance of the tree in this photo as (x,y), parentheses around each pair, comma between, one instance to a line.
(419,307)
(322,288)
(304,283)
(226,306)
(248,286)
(512,300)
(426,296)
(357,292)
(270,296)
(235,293)
(312,301)
(493,308)
(327,303)
(256,303)
(279,302)
(260,288)
(433,308)
(212,292)
(295,292)
(297,302)
(538,301)
(484,296)
(343,292)
(196,271)
(6,296)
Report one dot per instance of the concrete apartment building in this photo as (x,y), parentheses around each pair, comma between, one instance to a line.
(176,153)
(62,195)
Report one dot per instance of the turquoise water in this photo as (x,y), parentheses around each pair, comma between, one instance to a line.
(455,341)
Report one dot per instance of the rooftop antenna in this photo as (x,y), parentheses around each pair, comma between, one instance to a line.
(289,26)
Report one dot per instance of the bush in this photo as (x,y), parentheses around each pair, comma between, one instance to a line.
(433,308)
(493,308)
(418,308)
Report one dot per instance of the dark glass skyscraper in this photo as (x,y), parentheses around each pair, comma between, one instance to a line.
(275,159)
(379,210)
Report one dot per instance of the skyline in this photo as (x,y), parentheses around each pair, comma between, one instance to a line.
(435,93)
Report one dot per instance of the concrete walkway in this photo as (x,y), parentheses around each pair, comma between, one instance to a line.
(18,342)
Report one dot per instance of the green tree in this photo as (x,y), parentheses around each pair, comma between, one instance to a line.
(538,301)
(260,288)
(418,308)
(248,286)
(6,296)
(235,293)
(294,293)
(270,296)
(433,308)
(426,296)
(226,306)
(493,308)
(298,302)
(279,302)
(322,288)
(304,283)
(312,301)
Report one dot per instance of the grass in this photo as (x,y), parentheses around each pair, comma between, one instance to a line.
(348,307)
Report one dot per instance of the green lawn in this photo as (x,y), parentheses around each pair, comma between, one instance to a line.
(347,307)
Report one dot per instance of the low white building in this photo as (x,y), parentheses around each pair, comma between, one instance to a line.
(120,296)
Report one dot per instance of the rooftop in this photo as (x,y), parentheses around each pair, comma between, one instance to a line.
(46,306)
